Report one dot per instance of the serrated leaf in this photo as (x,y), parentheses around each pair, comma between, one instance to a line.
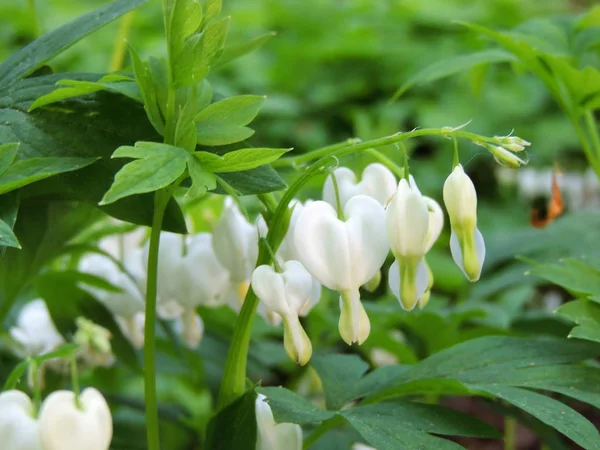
(34,55)
(8,152)
(89,129)
(145,149)
(552,412)
(238,50)
(453,65)
(147,175)
(239,160)
(289,407)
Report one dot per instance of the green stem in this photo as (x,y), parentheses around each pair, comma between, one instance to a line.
(456,159)
(35,22)
(272,255)
(395,168)
(587,149)
(510,433)
(338,201)
(118,54)
(75,382)
(320,431)
(161,199)
(324,151)
(34,375)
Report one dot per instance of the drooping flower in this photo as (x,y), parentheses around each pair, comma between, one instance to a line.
(19,428)
(235,241)
(377,181)
(343,255)
(65,426)
(271,435)
(466,242)
(407,221)
(287,294)
(35,333)
(190,327)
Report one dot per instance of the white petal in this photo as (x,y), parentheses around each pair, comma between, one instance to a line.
(35,331)
(460,198)
(269,287)
(367,238)
(436,222)
(322,244)
(298,285)
(456,252)
(18,427)
(190,327)
(65,427)
(421,283)
(295,340)
(347,188)
(378,182)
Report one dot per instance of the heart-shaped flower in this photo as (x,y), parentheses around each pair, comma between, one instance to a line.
(271,435)
(18,426)
(377,182)
(343,255)
(64,426)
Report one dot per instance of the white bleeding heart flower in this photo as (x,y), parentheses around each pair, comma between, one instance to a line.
(124,303)
(64,426)
(133,328)
(35,333)
(271,435)
(344,255)
(466,241)
(407,222)
(190,327)
(19,428)
(377,182)
(286,294)
(436,222)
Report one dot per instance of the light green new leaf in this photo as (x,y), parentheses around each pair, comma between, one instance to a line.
(146,175)
(552,412)
(223,122)
(453,65)
(214,40)
(213,9)
(34,55)
(148,91)
(185,18)
(7,236)
(8,152)
(239,160)
(185,129)
(27,171)
(202,180)
(235,51)
(145,149)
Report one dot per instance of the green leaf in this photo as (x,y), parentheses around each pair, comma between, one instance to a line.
(66,301)
(586,314)
(213,40)
(236,51)
(552,412)
(65,351)
(145,149)
(240,414)
(147,175)
(339,385)
(213,9)
(7,237)
(185,129)
(37,53)
(573,275)
(261,180)
(9,207)
(239,160)
(75,88)
(202,180)
(223,122)
(145,79)
(185,18)
(8,152)
(86,130)
(27,171)
(453,65)
(15,375)
(289,407)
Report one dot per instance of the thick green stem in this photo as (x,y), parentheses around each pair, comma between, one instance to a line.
(510,433)
(387,162)
(161,198)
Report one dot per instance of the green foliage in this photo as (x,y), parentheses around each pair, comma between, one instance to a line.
(239,160)
(240,414)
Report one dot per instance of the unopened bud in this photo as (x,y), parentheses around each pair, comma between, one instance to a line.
(506,158)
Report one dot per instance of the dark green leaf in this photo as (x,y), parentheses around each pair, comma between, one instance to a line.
(7,237)
(261,180)
(9,207)
(289,407)
(147,175)
(8,152)
(234,427)
(339,385)
(239,160)
(573,275)
(49,45)
(552,412)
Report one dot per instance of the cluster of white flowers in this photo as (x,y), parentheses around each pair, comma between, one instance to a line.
(63,422)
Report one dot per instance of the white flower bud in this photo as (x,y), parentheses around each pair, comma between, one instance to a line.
(63,426)
(377,182)
(343,255)
(19,428)
(466,242)
(271,435)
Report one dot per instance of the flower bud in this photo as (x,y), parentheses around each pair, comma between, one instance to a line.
(94,341)
(506,158)
(64,426)
(271,435)
(18,426)
(466,242)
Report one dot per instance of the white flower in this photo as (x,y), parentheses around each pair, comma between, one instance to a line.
(19,428)
(466,242)
(235,241)
(126,302)
(436,222)
(407,221)
(35,332)
(343,255)
(273,436)
(133,328)
(287,294)
(360,446)
(377,182)
(190,327)
(63,426)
